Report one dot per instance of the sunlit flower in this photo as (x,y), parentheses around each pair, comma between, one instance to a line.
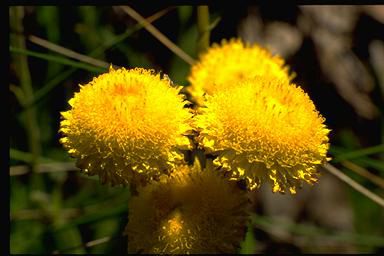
(193,211)
(264,130)
(223,66)
(127,126)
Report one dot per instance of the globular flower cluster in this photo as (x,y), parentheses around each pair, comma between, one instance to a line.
(264,130)
(127,126)
(225,64)
(130,127)
(193,211)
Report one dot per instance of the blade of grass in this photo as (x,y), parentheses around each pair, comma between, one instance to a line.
(38,214)
(116,198)
(69,53)
(57,59)
(359,153)
(107,201)
(214,23)
(156,33)
(363,172)
(50,85)
(339,174)
(362,160)
(373,163)
(203,28)
(312,232)
(25,156)
(97,215)
(48,17)
(44,168)
(32,129)
(69,237)
(247,246)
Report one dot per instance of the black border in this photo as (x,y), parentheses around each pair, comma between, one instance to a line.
(5,206)
(164,3)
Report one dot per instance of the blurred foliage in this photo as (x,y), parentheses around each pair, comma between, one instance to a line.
(57,209)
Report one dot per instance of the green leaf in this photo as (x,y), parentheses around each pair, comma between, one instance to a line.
(248,245)
(58,59)
(359,153)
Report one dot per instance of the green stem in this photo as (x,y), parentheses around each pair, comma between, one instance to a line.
(359,153)
(203,27)
(32,129)
(57,59)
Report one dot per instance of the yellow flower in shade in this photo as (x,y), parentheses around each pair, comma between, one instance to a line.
(127,126)
(223,66)
(193,211)
(264,130)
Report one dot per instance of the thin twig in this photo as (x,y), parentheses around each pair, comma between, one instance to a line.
(160,36)
(90,244)
(354,184)
(69,53)
(363,172)
(43,168)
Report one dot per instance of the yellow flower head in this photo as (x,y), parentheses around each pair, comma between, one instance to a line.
(127,126)
(193,211)
(265,129)
(223,66)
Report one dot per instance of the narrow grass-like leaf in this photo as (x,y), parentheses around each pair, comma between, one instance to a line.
(311,231)
(26,156)
(359,153)
(57,59)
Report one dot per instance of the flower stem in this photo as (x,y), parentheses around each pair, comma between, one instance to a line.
(32,128)
(160,36)
(339,174)
(203,28)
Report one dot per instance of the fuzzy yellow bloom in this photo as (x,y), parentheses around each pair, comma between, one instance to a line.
(223,66)
(127,126)
(264,130)
(193,211)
